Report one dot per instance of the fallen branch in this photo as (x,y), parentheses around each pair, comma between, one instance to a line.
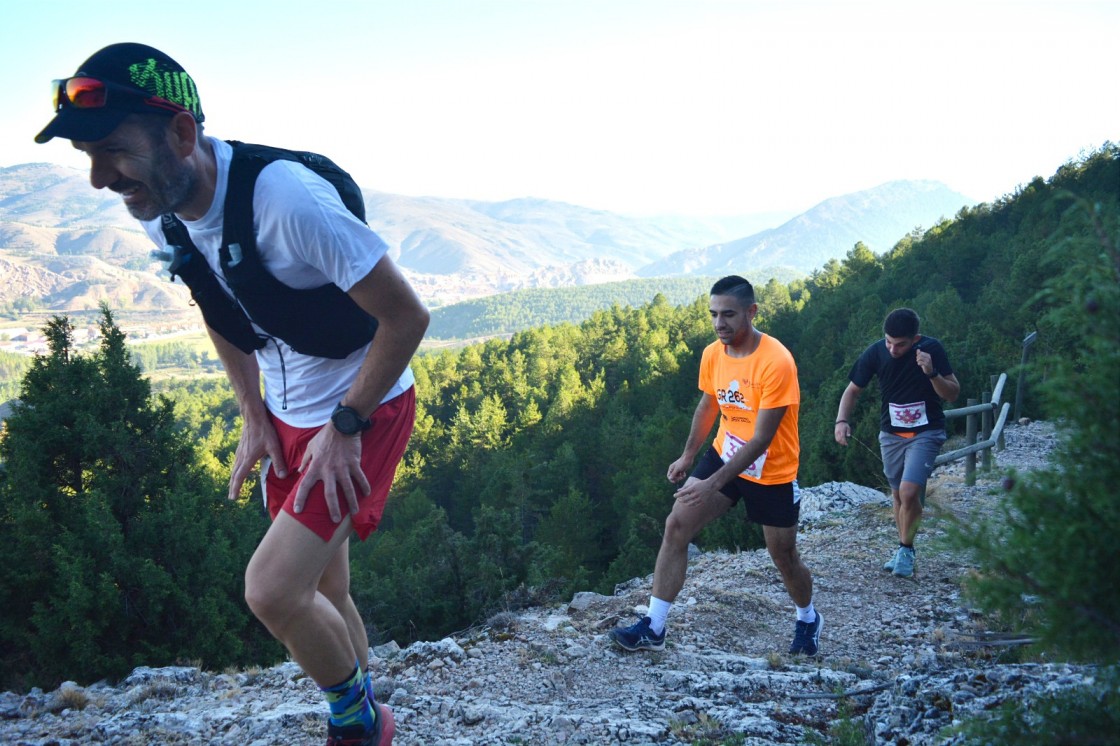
(607,621)
(995,640)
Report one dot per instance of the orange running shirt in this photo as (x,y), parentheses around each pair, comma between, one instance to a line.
(765,379)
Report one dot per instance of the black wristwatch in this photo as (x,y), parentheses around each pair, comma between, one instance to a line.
(933,375)
(347,421)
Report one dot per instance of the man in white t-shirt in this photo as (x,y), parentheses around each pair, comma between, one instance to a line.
(329,431)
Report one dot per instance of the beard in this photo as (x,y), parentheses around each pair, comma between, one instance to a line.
(169,184)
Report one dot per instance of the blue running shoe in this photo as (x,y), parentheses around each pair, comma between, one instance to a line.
(904,563)
(638,637)
(889,564)
(807,636)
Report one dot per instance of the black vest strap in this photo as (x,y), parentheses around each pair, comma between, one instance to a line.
(222,313)
(322,321)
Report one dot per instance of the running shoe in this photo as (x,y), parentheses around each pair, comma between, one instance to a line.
(889,564)
(356,735)
(904,563)
(806,637)
(638,636)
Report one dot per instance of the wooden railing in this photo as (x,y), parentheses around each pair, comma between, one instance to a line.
(979,424)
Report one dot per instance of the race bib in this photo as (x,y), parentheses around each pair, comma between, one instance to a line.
(908,415)
(731,445)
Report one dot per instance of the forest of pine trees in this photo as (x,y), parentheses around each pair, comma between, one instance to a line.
(524,309)
(537,464)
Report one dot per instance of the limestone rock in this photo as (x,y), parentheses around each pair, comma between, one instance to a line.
(551,675)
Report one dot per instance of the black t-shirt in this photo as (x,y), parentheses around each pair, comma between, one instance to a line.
(909,403)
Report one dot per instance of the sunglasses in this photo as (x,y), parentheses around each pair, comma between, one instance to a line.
(90,93)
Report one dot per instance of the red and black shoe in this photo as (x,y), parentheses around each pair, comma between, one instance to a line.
(356,735)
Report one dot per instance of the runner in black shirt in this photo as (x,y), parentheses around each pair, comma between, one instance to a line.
(914,376)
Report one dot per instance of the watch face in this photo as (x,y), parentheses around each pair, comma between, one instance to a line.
(346,421)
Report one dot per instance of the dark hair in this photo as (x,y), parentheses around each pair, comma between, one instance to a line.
(736,286)
(901,322)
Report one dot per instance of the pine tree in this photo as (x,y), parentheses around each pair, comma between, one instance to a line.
(116,548)
(1050,562)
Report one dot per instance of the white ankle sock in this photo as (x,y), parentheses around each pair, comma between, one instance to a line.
(658,613)
(808,614)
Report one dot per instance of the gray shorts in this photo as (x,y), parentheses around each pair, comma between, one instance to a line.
(910,459)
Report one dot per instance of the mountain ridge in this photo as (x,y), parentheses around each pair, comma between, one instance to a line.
(877,217)
(453,249)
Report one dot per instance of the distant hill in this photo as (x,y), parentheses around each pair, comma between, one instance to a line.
(58,197)
(450,249)
(514,238)
(525,309)
(878,217)
(129,249)
(68,246)
(80,283)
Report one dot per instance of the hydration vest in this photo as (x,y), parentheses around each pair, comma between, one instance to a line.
(322,321)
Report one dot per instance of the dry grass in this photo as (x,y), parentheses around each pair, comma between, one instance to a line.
(69,698)
(158,689)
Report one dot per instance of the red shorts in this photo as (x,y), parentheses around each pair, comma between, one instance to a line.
(382,448)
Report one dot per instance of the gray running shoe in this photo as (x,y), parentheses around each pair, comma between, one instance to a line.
(904,563)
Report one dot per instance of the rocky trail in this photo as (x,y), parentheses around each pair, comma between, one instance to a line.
(900,659)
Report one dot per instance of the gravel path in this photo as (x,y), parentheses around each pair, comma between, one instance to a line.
(902,648)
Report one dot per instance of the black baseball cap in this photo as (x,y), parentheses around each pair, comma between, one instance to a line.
(119,80)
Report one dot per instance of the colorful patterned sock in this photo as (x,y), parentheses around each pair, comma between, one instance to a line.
(369,692)
(349,703)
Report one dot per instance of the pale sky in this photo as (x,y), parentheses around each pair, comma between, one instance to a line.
(696,107)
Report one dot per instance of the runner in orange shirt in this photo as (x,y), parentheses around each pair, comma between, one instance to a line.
(749,381)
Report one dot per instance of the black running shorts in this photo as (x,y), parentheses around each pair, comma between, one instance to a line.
(777,505)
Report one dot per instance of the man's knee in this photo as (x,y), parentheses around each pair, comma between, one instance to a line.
(674,530)
(785,559)
(782,546)
(910,492)
(259,599)
(269,602)
(678,531)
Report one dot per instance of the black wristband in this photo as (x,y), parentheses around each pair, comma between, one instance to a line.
(933,375)
(839,421)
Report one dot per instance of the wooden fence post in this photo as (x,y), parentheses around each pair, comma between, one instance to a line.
(1000,442)
(985,433)
(970,439)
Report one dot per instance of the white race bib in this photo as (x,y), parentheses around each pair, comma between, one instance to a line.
(731,445)
(908,415)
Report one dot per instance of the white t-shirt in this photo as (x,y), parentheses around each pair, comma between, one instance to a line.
(306,238)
